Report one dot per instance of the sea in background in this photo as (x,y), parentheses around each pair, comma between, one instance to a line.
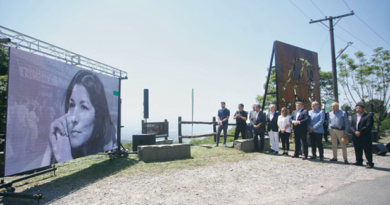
(173,132)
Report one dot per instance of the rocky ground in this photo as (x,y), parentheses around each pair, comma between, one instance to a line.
(267,179)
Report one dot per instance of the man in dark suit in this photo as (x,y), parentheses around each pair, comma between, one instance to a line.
(299,119)
(361,126)
(258,124)
(273,129)
(326,125)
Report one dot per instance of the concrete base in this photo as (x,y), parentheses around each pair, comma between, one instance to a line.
(168,141)
(149,153)
(267,144)
(247,145)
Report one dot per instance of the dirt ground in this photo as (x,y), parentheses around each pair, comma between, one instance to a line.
(267,179)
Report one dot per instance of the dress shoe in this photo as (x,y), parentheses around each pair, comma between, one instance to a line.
(346,162)
(321,159)
(294,156)
(276,153)
(313,157)
(304,158)
(358,164)
(333,160)
(370,165)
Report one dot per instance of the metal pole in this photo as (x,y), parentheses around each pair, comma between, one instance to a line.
(119,143)
(334,70)
(269,74)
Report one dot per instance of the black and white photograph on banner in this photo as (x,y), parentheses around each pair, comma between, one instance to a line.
(57,112)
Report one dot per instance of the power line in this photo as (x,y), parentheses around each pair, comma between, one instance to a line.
(366,24)
(347,5)
(317,7)
(322,24)
(323,43)
(299,9)
(372,30)
(356,37)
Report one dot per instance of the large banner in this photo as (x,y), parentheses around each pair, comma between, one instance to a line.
(56,112)
(297,76)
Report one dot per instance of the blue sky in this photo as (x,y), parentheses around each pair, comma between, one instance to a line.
(219,48)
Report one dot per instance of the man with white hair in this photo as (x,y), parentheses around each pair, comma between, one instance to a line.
(338,128)
(272,122)
(316,130)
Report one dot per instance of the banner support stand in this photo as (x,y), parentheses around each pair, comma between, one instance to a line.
(120,149)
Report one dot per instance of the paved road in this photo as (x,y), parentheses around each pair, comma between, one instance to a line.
(375,191)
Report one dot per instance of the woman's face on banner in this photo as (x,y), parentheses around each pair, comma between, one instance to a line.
(81,116)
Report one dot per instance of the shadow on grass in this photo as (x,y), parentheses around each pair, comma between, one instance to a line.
(62,186)
(202,145)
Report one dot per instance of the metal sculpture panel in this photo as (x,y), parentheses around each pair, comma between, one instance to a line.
(297,76)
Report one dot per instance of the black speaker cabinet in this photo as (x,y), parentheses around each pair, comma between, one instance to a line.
(146,103)
(143,139)
(379,149)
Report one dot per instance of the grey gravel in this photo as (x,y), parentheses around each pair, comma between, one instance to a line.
(267,179)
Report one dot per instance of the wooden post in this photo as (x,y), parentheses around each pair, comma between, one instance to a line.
(179,130)
(143,130)
(167,126)
(215,128)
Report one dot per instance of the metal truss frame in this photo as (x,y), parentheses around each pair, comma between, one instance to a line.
(33,45)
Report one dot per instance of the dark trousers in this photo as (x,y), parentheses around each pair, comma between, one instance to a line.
(249,127)
(326,133)
(220,128)
(300,140)
(285,141)
(239,130)
(256,141)
(316,140)
(363,143)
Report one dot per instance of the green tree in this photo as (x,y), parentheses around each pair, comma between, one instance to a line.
(367,81)
(271,99)
(326,86)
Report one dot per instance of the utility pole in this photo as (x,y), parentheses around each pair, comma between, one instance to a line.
(334,70)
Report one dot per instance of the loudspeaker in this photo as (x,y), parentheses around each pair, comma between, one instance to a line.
(146,103)
(145,139)
(379,149)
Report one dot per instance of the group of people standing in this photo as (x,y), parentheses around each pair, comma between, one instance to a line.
(301,121)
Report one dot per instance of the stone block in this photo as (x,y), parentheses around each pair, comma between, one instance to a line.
(149,153)
(245,145)
(267,144)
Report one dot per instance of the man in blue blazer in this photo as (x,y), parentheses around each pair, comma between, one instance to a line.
(299,118)
(316,129)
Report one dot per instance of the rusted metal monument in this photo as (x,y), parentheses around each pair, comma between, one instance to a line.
(297,76)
